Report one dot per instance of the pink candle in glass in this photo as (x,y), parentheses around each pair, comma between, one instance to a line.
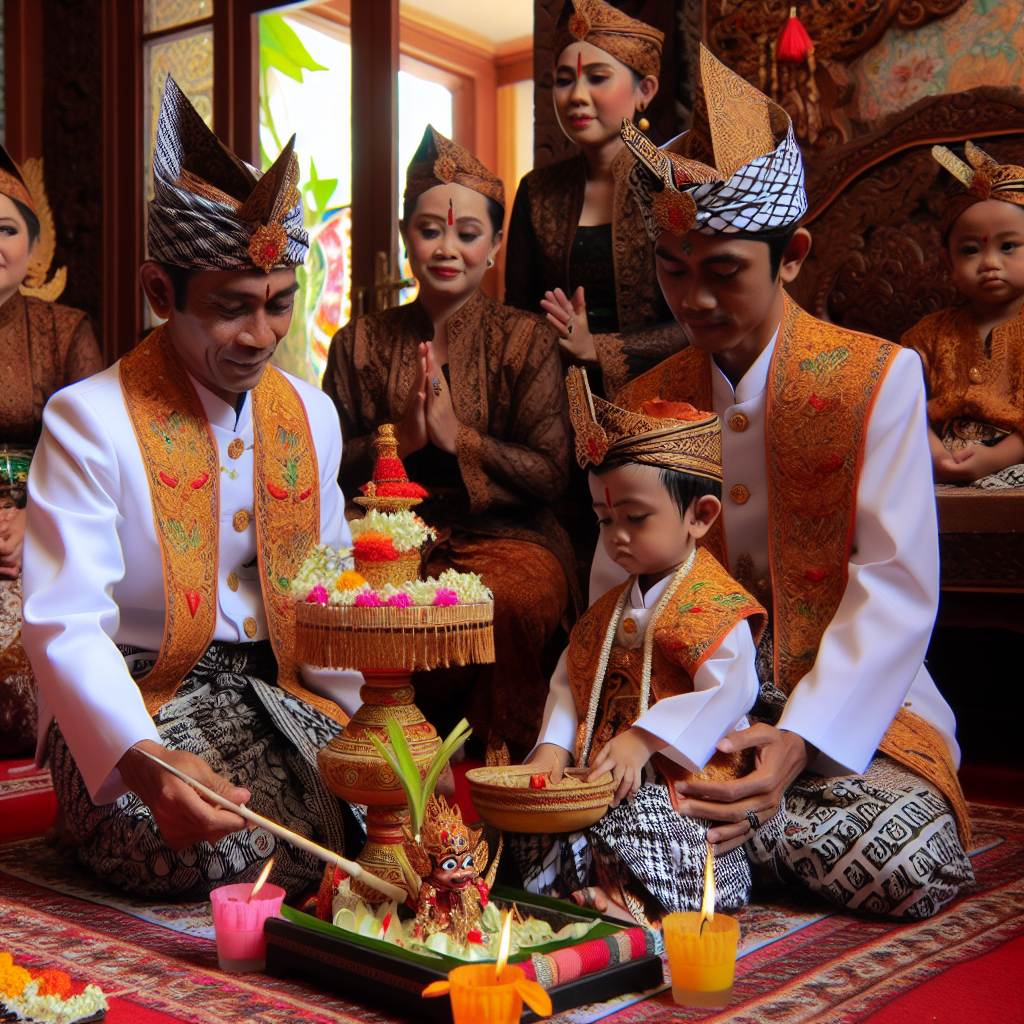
(238,923)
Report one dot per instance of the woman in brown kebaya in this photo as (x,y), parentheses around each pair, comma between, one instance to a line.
(577,246)
(43,347)
(475,391)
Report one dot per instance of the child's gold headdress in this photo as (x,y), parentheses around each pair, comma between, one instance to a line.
(979,179)
(667,435)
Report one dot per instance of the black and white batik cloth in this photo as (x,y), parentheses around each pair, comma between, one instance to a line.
(646,847)
(251,732)
(884,842)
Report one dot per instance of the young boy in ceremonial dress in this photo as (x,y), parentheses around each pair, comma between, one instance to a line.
(659,669)
(829,520)
(973,352)
(171,501)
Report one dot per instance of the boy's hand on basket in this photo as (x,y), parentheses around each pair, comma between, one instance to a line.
(625,757)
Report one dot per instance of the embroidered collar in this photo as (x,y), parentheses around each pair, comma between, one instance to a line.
(752,383)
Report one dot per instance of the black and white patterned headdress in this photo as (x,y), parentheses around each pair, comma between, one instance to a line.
(212,211)
(738,169)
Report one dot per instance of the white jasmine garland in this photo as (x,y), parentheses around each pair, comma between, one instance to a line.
(468,585)
(407,531)
(55,1010)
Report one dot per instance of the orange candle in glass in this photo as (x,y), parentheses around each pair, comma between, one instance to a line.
(702,949)
(491,992)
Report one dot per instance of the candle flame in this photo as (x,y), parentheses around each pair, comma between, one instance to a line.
(505,944)
(263,876)
(707,907)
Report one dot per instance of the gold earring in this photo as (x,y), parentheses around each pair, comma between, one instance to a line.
(643,124)
(490,262)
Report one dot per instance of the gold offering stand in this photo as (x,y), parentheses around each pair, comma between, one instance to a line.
(387,645)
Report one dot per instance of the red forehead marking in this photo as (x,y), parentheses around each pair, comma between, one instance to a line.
(268,292)
(579,65)
(984,239)
(607,497)
(451,219)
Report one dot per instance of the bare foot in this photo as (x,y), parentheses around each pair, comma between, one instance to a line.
(59,836)
(597,898)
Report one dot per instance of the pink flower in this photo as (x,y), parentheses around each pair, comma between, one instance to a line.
(318,595)
(367,599)
(445,597)
(401,600)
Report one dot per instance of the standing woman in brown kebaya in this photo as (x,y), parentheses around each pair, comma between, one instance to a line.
(475,391)
(43,347)
(577,247)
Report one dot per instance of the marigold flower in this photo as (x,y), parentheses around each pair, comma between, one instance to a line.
(374,547)
(13,978)
(350,580)
(53,983)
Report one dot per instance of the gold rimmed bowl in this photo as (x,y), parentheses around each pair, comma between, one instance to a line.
(505,799)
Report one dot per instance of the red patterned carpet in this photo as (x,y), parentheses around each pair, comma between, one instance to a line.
(840,969)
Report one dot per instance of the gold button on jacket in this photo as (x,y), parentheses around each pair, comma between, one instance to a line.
(250,627)
(232,581)
(739,494)
(236,448)
(240,520)
(738,422)
(976,374)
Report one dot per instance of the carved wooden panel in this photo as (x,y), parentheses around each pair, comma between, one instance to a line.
(874,265)
(669,114)
(73,145)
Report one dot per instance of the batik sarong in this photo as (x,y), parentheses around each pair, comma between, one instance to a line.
(255,735)
(643,853)
(17,683)
(884,842)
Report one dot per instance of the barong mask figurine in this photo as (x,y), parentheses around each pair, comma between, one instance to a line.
(449,857)
(738,169)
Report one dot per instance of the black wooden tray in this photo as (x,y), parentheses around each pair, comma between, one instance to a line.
(371,972)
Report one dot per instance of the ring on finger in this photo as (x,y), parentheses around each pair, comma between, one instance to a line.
(436,385)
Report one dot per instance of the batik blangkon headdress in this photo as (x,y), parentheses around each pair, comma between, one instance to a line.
(738,169)
(12,182)
(631,42)
(979,179)
(439,161)
(211,210)
(666,435)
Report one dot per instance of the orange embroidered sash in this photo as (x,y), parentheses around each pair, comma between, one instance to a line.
(822,384)
(183,467)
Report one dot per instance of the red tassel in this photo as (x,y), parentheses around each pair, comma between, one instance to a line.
(451,219)
(794,42)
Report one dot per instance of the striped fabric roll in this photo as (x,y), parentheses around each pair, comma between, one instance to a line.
(565,965)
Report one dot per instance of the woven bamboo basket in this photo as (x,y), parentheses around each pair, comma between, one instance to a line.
(398,639)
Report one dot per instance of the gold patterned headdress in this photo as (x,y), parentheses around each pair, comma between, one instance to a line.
(12,182)
(739,167)
(439,161)
(667,435)
(979,179)
(443,833)
(212,211)
(631,42)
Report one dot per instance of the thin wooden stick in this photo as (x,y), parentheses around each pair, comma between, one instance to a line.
(350,867)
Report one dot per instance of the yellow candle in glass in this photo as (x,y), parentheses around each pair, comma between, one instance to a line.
(701,950)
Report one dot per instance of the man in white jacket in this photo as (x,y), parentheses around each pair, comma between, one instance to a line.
(171,499)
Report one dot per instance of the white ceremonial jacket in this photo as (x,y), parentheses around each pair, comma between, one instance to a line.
(725,687)
(93,575)
(870,661)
